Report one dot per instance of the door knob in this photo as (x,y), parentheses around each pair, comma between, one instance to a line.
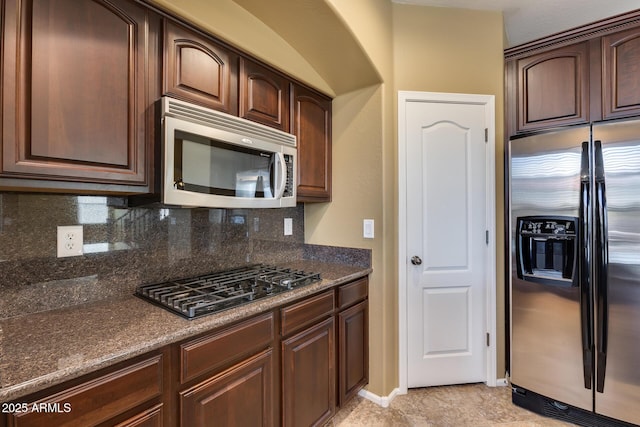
(416,260)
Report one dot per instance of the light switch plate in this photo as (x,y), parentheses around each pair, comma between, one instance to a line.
(288,226)
(367,229)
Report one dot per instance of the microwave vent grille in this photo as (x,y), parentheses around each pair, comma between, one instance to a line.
(225,121)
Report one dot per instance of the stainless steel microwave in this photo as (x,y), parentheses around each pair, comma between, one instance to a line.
(213,159)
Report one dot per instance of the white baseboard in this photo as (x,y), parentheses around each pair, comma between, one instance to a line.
(502,382)
(383,401)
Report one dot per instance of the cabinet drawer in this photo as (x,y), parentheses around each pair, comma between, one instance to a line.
(353,292)
(306,312)
(221,348)
(98,400)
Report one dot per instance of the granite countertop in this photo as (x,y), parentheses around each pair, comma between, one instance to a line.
(47,348)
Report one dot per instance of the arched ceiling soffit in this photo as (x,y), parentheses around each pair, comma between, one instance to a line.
(313,29)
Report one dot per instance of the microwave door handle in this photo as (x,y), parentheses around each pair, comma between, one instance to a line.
(280,175)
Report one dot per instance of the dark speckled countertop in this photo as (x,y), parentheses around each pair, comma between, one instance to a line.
(47,348)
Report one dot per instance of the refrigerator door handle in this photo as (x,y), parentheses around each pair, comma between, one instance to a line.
(586,310)
(601,261)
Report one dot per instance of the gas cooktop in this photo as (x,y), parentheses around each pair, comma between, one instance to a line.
(212,293)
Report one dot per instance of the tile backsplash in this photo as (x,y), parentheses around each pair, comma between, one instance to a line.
(125,247)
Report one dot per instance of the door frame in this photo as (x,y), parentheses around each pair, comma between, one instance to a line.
(405,97)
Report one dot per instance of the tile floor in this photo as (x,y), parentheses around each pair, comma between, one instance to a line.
(469,405)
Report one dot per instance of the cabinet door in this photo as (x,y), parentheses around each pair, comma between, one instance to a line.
(264,95)
(199,70)
(353,351)
(79,81)
(621,79)
(240,396)
(308,376)
(553,88)
(311,123)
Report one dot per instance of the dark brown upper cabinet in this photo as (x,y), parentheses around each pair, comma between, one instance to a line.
(79,78)
(311,123)
(264,95)
(621,75)
(585,74)
(198,69)
(553,88)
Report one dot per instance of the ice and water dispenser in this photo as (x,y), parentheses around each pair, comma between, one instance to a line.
(547,249)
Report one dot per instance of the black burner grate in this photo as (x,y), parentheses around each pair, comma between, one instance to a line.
(211,293)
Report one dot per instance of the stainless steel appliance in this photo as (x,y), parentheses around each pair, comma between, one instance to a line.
(211,293)
(213,159)
(575,273)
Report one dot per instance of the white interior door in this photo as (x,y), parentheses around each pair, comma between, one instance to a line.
(447,250)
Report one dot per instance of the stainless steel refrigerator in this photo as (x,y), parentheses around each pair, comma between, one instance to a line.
(574,203)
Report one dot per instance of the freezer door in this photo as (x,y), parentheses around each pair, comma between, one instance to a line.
(546,323)
(618,347)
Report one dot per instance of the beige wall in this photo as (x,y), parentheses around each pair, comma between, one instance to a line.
(364,183)
(411,48)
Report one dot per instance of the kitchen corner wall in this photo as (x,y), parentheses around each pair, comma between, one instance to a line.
(125,247)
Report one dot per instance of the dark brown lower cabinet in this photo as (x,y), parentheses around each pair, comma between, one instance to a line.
(308,376)
(127,396)
(291,366)
(353,338)
(239,396)
(353,351)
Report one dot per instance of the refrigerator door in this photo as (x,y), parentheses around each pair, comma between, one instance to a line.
(618,346)
(546,316)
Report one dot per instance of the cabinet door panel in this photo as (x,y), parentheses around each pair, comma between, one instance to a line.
(353,348)
(312,126)
(239,396)
(621,78)
(264,96)
(308,376)
(553,88)
(57,118)
(78,85)
(200,70)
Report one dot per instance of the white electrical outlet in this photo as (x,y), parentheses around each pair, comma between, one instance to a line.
(70,240)
(288,226)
